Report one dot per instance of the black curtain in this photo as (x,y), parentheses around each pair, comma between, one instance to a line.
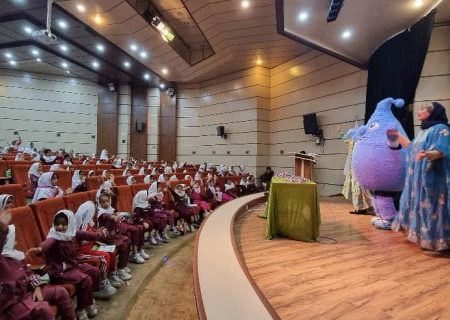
(395,68)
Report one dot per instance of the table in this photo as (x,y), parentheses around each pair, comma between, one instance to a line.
(292,210)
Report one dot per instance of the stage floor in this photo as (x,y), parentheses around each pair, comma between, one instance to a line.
(367,274)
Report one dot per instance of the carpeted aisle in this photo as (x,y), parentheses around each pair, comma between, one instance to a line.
(170,293)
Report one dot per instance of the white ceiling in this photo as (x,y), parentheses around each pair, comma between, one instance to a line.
(241,36)
(370,22)
(237,36)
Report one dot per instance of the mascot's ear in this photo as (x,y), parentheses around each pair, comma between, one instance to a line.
(361,131)
(398,103)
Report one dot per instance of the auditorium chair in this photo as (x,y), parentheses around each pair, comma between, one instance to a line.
(135,188)
(139,178)
(124,199)
(120,180)
(64,179)
(87,167)
(17,191)
(20,175)
(12,163)
(75,200)
(92,195)
(116,172)
(94,183)
(44,212)
(134,171)
(104,166)
(3,168)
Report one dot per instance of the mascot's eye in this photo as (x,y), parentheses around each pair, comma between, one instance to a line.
(374,125)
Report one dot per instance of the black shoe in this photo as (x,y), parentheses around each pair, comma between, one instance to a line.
(362,211)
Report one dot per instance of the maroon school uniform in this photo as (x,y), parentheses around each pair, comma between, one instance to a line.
(134,232)
(63,268)
(17,283)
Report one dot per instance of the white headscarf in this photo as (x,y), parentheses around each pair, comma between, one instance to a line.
(153,190)
(173,178)
(154,170)
(36,157)
(148,179)
(124,173)
(187,177)
(19,157)
(3,200)
(86,161)
(100,210)
(91,171)
(76,180)
(54,167)
(104,175)
(118,164)
(140,200)
(181,165)
(34,170)
(71,227)
(45,188)
(130,180)
(85,214)
(141,171)
(229,186)
(8,249)
(104,155)
(198,176)
(167,170)
(48,159)
(175,166)
(243,181)
(161,178)
(107,185)
(242,168)
(196,187)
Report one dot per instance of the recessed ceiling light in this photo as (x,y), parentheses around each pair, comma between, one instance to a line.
(38,59)
(259,61)
(418,3)
(64,65)
(63,47)
(67,71)
(95,64)
(133,47)
(28,30)
(81,8)
(12,62)
(98,19)
(245,4)
(62,24)
(303,16)
(146,76)
(8,55)
(346,34)
(126,64)
(162,85)
(34,52)
(100,47)
(164,71)
(143,54)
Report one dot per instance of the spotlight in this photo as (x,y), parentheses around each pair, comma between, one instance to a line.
(162,85)
(63,47)
(95,64)
(303,16)
(163,29)
(8,55)
(126,64)
(38,59)
(34,52)
(12,62)
(346,34)
(62,24)
(245,4)
(333,10)
(146,76)
(133,47)
(28,30)
(100,47)
(111,86)
(143,54)
(64,65)
(81,8)
(165,71)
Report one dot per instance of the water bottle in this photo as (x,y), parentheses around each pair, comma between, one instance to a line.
(8,173)
(165,259)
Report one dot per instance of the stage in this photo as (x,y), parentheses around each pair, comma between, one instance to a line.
(366,274)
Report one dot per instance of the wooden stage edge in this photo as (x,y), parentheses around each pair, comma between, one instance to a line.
(354,271)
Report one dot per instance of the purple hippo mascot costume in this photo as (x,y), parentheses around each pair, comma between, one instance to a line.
(379,164)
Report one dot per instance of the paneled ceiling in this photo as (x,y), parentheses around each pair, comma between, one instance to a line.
(234,34)
(361,27)
(241,37)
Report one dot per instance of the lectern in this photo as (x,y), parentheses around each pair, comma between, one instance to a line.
(304,165)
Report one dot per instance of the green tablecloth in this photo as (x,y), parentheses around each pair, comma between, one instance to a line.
(292,210)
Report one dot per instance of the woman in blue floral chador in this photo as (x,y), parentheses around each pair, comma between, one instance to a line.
(424,206)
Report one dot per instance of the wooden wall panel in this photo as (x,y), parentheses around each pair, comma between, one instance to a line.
(106,120)
(138,140)
(168,127)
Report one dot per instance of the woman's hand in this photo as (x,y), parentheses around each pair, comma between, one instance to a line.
(34,250)
(37,294)
(103,231)
(5,218)
(430,155)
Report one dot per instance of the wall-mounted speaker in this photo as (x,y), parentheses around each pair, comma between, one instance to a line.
(220,131)
(310,124)
(140,126)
